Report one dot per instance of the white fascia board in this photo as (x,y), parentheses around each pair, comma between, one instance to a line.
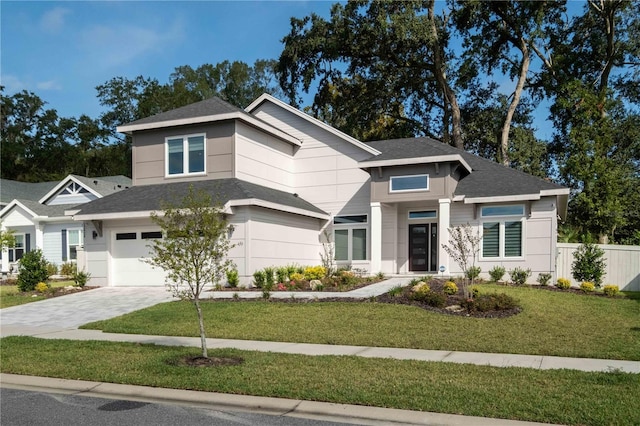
(55,219)
(266,97)
(502,199)
(64,182)
(458,198)
(128,129)
(273,206)
(110,216)
(416,160)
(16,203)
(559,191)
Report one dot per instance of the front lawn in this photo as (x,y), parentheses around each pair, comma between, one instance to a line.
(11,296)
(558,396)
(551,323)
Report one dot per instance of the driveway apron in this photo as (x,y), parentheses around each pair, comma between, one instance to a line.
(73,310)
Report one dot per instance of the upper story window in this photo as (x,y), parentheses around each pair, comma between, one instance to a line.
(409,183)
(185,155)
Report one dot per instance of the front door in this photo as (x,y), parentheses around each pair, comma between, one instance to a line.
(423,247)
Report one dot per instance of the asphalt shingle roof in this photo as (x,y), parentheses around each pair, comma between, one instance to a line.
(150,197)
(487,179)
(12,189)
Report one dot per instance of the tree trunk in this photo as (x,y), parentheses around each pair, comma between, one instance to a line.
(441,77)
(203,336)
(503,152)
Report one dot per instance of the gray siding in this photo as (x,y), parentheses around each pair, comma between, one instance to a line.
(441,184)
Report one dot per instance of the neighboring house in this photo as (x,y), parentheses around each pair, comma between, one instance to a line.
(35,213)
(286,180)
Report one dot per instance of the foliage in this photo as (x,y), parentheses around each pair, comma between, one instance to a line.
(232,278)
(420,288)
(259,278)
(296,276)
(7,237)
(519,275)
(52,269)
(563,283)
(432,298)
(327,256)
(544,278)
(193,252)
(587,286)
(496,273)
(611,290)
(81,277)
(450,288)
(41,287)
(473,272)
(464,243)
(589,264)
(314,273)
(395,291)
(67,268)
(475,291)
(282,274)
(268,277)
(32,270)
(346,278)
(490,302)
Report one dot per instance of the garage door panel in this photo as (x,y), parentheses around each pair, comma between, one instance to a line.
(127,265)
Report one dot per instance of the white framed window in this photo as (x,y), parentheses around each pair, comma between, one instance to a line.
(502,232)
(423,214)
(74,240)
(350,237)
(17,251)
(409,183)
(185,155)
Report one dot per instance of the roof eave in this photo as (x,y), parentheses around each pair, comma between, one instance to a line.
(275,206)
(415,160)
(64,182)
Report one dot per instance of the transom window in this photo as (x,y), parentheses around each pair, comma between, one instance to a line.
(185,155)
(425,214)
(350,237)
(409,183)
(502,237)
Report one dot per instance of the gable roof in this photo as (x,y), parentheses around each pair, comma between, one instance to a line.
(265,97)
(207,111)
(99,186)
(139,201)
(487,180)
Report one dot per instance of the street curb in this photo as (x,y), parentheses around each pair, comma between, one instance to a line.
(274,406)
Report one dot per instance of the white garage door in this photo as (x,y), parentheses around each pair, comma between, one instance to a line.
(128,248)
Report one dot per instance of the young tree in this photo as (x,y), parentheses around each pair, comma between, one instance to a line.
(194,248)
(463,248)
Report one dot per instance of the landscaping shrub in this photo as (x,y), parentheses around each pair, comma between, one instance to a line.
(435,299)
(589,264)
(475,290)
(282,274)
(563,283)
(41,287)
(519,276)
(32,270)
(258,279)
(232,278)
(497,272)
(587,286)
(420,289)
(67,268)
(314,273)
(81,278)
(450,288)
(473,272)
(268,277)
(543,279)
(611,290)
(396,291)
(347,279)
(295,276)
(490,302)
(52,268)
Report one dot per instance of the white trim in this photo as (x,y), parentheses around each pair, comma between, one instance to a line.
(395,191)
(64,182)
(273,206)
(415,160)
(375,233)
(502,199)
(118,215)
(185,156)
(17,203)
(249,119)
(524,210)
(266,97)
(501,220)
(558,191)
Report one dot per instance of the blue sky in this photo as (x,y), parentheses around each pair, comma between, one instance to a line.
(62,50)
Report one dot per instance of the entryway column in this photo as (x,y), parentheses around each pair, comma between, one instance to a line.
(444,222)
(39,235)
(376,238)
(5,252)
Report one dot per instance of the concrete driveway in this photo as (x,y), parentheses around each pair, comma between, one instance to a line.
(71,311)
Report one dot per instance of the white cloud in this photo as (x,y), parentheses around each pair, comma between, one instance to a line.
(53,21)
(48,85)
(115,46)
(11,83)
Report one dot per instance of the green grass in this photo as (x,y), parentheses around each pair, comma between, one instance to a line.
(559,396)
(551,323)
(11,296)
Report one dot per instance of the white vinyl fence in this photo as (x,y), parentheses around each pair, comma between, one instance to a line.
(623,265)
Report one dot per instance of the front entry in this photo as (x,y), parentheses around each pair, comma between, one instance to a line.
(423,247)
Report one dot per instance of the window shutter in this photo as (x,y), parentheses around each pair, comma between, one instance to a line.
(491,239)
(27,243)
(64,245)
(513,239)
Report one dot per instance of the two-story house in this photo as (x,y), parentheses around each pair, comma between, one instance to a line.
(286,180)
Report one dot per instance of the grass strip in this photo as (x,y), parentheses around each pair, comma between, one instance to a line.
(551,323)
(11,296)
(559,396)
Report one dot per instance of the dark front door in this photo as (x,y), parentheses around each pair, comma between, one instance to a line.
(423,247)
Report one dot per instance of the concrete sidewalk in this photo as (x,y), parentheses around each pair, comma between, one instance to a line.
(538,362)
(354,414)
